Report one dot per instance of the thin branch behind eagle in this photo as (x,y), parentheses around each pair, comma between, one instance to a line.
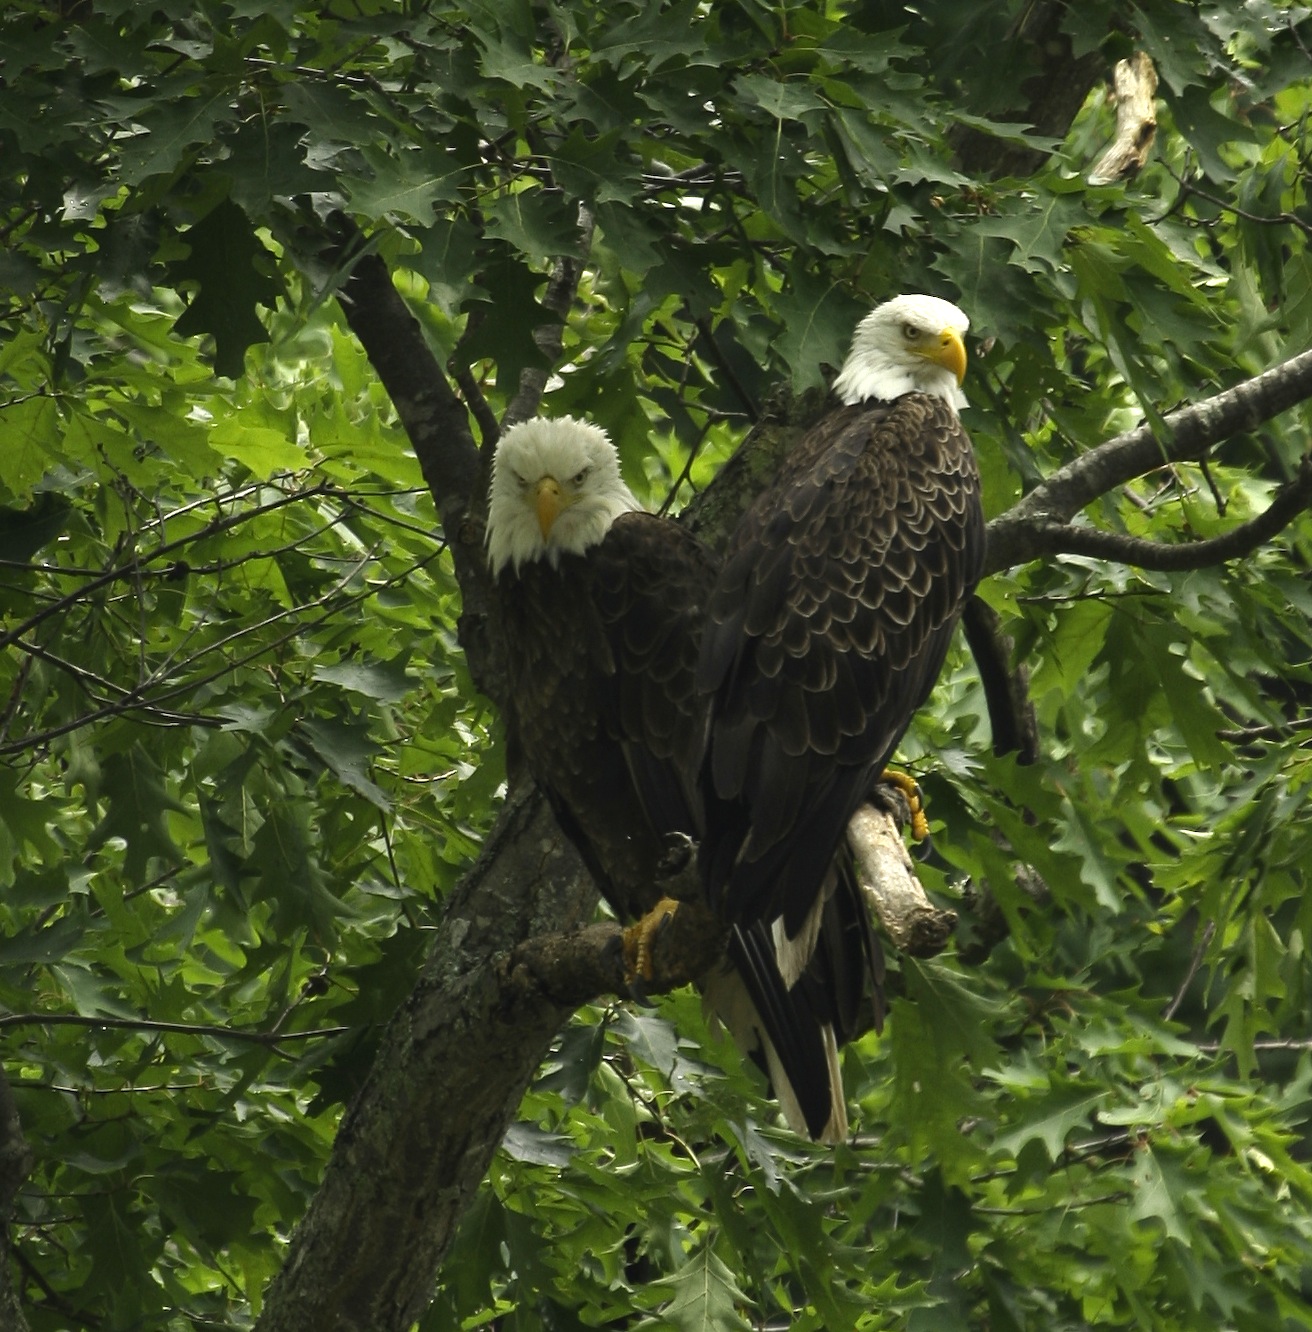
(748,702)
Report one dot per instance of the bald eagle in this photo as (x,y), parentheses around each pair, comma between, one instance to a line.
(830,619)
(602,607)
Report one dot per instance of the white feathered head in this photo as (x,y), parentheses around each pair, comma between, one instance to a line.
(911,344)
(556,489)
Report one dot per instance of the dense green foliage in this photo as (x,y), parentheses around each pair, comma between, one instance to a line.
(244,759)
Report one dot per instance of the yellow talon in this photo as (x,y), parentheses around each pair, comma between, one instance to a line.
(639,939)
(910,788)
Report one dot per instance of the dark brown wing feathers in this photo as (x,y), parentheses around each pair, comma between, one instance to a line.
(826,630)
(605,710)
(602,699)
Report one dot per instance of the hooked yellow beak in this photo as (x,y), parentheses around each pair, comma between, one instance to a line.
(548,501)
(949,352)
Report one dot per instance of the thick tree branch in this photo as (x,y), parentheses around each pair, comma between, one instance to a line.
(912,922)
(452,1067)
(1290,500)
(434,418)
(714,513)
(15,1165)
(437,424)
(514,957)
(1006,691)
(578,967)
(1039,523)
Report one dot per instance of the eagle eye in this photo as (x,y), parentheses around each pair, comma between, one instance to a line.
(582,476)
(910,332)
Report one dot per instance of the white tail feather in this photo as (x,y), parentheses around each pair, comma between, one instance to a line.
(727,1000)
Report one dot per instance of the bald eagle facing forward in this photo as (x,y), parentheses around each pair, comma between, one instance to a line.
(602,607)
(831,617)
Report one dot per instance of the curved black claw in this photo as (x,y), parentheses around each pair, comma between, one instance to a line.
(677,856)
(638,992)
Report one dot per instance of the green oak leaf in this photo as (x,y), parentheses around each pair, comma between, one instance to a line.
(234,274)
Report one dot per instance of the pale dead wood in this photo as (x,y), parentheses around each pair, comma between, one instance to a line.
(914,925)
(1134,91)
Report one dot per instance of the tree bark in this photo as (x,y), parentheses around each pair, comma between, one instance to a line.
(1050,97)
(451,1070)
(15,1165)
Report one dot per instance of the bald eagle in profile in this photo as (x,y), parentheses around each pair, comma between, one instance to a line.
(830,619)
(601,608)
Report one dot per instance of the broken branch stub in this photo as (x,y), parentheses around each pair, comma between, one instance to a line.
(914,925)
(1134,85)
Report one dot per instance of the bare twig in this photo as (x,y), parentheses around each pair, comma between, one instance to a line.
(270,1038)
(1241,735)
(749,404)
(128,568)
(489,429)
(685,472)
(550,338)
(21,677)
(1282,219)
(1196,961)
(1217,498)
(50,1297)
(88,681)
(1291,1043)
(137,698)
